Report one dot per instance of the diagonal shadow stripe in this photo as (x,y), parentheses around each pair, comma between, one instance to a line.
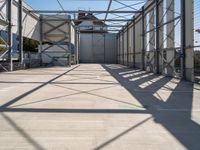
(108,98)
(180,125)
(35,89)
(22,132)
(81,111)
(121,134)
(62,96)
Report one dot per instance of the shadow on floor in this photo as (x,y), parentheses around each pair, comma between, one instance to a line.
(121,134)
(174,113)
(34,89)
(81,111)
(23,134)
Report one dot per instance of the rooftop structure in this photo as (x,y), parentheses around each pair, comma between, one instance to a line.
(100,74)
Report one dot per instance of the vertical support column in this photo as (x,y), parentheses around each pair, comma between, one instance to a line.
(159,35)
(127,42)
(123,62)
(10,37)
(69,44)
(116,49)
(41,39)
(143,39)
(119,53)
(157,38)
(133,41)
(187,60)
(152,33)
(78,49)
(75,50)
(183,39)
(104,48)
(161,38)
(170,39)
(20,27)
(152,40)
(118,42)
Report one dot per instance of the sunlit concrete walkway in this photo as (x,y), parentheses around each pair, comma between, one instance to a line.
(93,107)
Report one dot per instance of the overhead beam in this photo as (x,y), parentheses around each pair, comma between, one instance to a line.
(75,11)
(108,9)
(109,20)
(100,26)
(99,30)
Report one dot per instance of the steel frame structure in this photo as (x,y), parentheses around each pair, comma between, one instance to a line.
(158,49)
(64,36)
(6,19)
(152,27)
(5,22)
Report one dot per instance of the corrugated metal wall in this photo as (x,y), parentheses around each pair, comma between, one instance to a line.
(97,48)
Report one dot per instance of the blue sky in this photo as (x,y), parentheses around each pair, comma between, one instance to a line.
(84,5)
(77,4)
(67,4)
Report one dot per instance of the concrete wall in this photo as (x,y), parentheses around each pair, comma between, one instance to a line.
(97,48)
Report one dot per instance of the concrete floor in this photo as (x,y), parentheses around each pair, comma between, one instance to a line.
(93,107)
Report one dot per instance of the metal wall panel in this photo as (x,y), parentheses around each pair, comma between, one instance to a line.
(130,47)
(138,46)
(110,49)
(86,54)
(121,49)
(97,48)
(125,48)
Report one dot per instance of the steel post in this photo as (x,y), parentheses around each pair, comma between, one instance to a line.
(10,36)
(143,39)
(20,27)
(157,38)
(134,42)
